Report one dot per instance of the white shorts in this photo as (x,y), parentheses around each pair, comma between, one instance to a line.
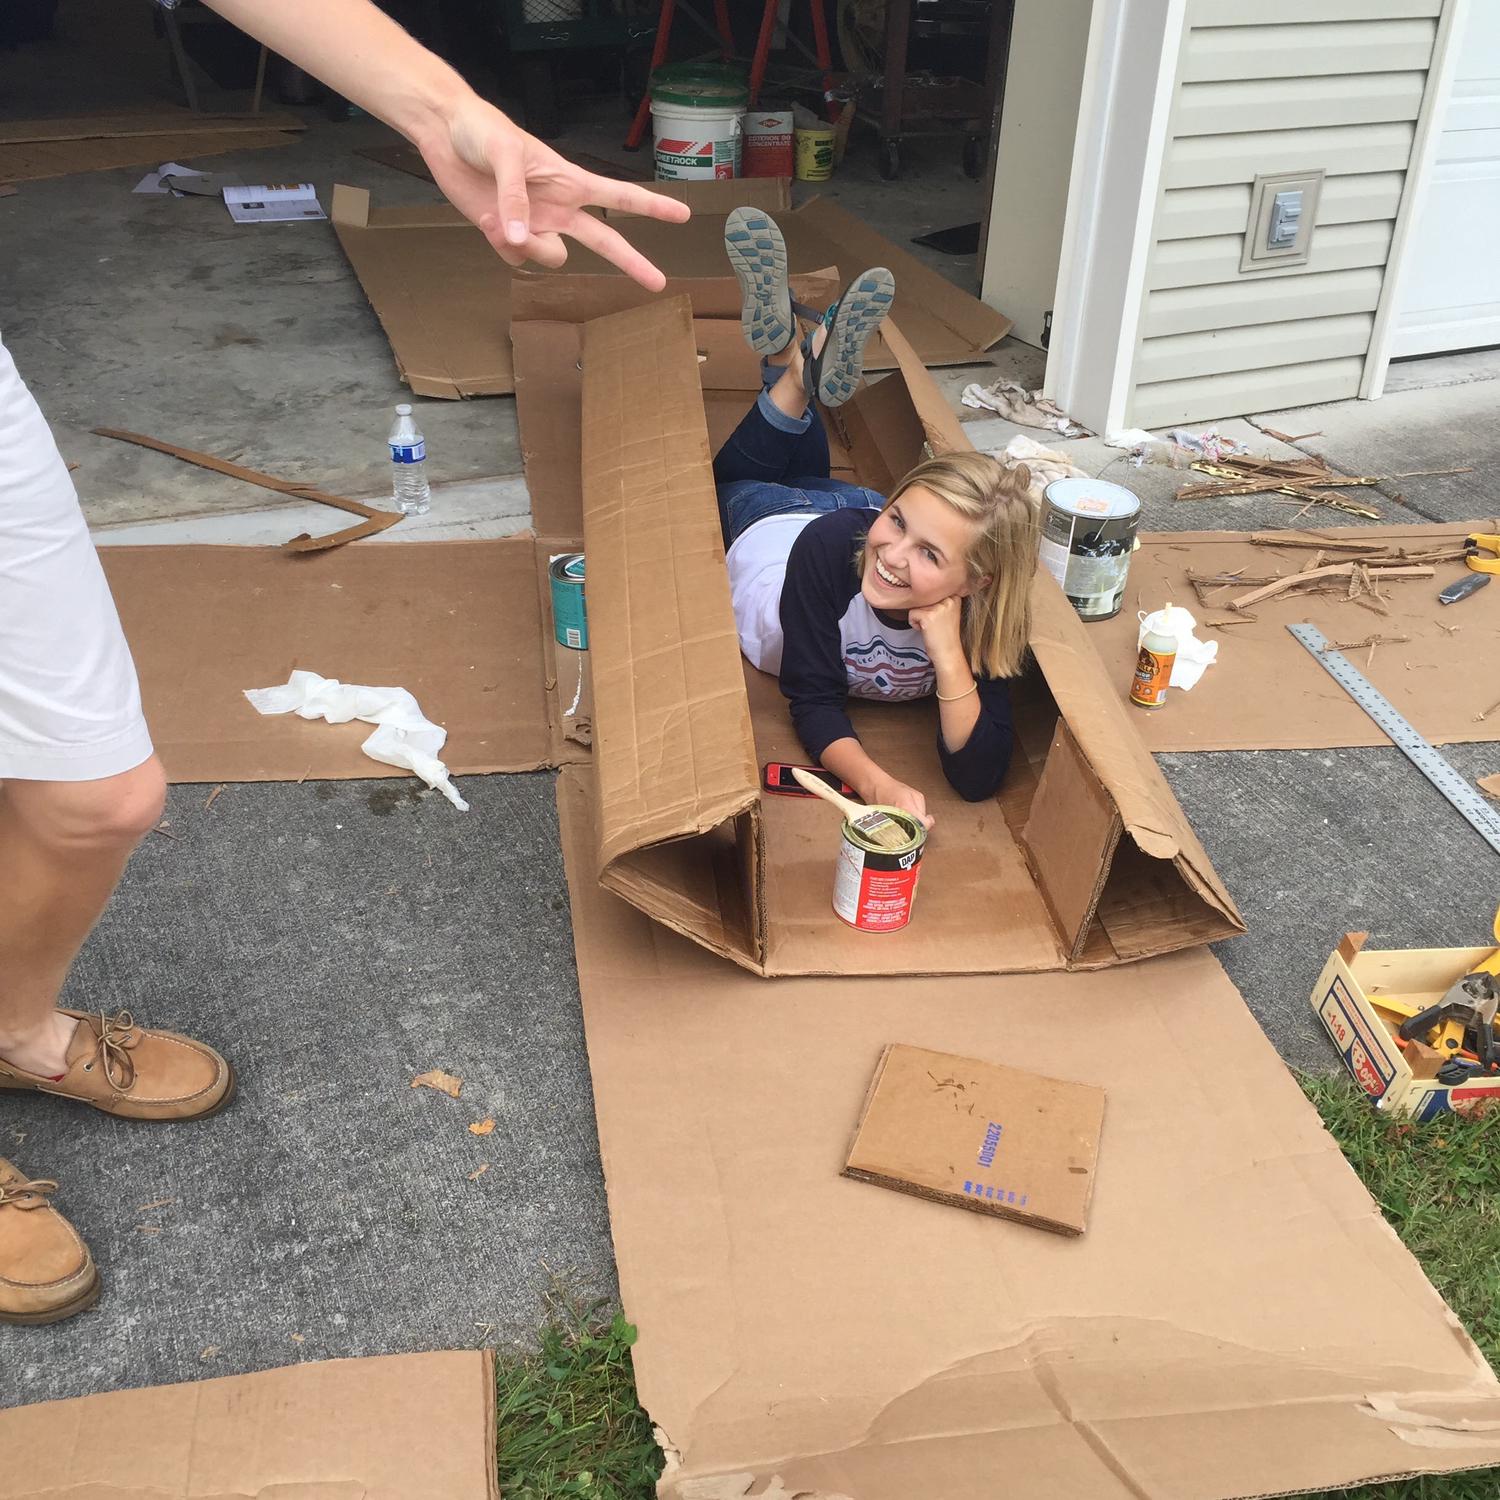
(70,705)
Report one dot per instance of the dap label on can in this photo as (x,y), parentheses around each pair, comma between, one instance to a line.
(873,888)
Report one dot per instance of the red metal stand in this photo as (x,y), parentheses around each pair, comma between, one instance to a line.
(820,41)
(659,56)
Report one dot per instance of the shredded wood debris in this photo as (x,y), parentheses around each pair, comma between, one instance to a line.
(1490,786)
(1480,718)
(214,795)
(435,1078)
(146,1208)
(482,1127)
(479,1171)
(1365,583)
(1321,543)
(1307,479)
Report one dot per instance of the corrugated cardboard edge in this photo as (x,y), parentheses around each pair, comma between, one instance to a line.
(354,220)
(651,723)
(127,125)
(970,320)
(436,1417)
(1090,703)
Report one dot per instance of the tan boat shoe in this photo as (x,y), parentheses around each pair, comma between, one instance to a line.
(126,1070)
(46,1271)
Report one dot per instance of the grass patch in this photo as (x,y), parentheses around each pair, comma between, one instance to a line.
(570,1426)
(1438,1185)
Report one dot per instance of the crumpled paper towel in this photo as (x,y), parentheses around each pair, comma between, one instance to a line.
(1026,408)
(1046,464)
(403,736)
(1194,657)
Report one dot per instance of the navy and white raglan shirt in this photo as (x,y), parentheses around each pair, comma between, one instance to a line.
(801,615)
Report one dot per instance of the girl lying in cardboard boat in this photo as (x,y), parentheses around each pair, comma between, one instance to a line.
(839,591)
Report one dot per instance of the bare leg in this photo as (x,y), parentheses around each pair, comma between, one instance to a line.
(789,394)
(63,847)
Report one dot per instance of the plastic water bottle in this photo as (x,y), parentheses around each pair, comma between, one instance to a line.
(409,465)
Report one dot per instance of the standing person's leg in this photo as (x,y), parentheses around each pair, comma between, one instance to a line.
(79,787)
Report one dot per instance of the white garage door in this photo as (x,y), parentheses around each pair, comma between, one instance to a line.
(1451,293)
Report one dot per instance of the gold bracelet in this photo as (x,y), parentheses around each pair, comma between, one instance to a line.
(973,687)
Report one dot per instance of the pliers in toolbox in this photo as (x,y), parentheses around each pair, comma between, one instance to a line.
(1470,1005)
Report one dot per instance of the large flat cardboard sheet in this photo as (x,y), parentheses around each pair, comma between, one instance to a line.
(32,149)
(1238,1320)
(1086,860)
(402,1427)
(444,297)
(456,623)
(1265,691)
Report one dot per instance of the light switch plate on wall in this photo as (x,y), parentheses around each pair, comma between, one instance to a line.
(1283,211)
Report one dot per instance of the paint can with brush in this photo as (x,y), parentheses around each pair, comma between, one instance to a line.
(879,861)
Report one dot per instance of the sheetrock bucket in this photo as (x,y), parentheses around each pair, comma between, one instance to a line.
(696,124)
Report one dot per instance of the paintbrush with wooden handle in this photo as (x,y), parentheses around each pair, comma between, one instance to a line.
(875,824)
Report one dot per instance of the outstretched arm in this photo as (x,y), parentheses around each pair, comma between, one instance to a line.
(522,194)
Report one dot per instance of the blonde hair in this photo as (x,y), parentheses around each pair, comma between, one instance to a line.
(997,615)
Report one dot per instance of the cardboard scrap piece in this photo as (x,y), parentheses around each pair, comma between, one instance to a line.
(32,149)
(1490,786)
(980,1136)
(800,1330)
(443,296)
(206,622)
(1265,691)
(375,520)
(399,1427)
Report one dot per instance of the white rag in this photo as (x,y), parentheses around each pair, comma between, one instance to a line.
(1025,408)
(1194,657)
(1046,464)
(403,736)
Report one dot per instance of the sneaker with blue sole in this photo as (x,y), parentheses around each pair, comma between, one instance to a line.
(833,374)
(757,252)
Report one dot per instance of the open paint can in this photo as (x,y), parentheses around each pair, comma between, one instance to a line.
(1088,534)
(874,887)
(570,623)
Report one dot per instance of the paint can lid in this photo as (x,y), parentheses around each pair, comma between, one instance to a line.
(573,568)
(1093,499)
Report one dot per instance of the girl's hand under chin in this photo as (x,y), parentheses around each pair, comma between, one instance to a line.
(941,625)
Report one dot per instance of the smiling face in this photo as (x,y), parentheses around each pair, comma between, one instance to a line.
(917,553)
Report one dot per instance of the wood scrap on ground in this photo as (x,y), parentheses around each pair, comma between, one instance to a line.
(1490,786)
(1361,576)
(1307,479)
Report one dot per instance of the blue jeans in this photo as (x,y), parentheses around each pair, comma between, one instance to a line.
(775,465)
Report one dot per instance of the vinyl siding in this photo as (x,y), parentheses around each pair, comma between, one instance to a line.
(1277,86)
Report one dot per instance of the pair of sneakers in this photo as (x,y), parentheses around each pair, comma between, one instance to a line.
(46,1271)
(769,316)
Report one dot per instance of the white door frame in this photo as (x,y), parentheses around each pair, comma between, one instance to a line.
(1424,149)
(1129,80)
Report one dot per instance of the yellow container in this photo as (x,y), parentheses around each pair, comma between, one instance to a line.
(814,153)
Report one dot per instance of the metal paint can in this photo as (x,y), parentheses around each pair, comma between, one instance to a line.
(1088,534)
(874,887)
(570,624)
